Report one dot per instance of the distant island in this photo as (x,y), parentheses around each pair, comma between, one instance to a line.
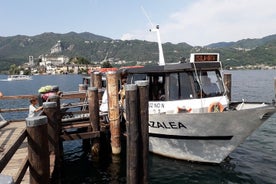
(87,48)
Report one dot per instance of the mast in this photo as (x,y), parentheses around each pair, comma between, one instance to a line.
(161,55)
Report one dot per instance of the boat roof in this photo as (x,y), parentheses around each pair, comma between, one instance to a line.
(168,68)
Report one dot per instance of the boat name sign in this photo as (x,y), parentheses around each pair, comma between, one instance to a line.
(167,125)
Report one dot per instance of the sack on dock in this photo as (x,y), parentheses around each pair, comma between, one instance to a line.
(48,88)
(45,89)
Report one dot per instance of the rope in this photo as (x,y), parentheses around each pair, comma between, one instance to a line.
(225,88)
(200,85)
(115,119)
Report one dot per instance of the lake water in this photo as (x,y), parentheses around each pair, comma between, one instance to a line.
(254,161)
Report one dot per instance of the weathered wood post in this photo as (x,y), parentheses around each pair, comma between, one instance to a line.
(50,110)
(113,111)
(143,94)
(98,84)
(92,79)
(227,81)
(94,117)
(132,133)
(82,89)
(97,80)
(56,99)
(38,150)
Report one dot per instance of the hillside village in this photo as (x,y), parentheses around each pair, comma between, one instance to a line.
(54,63)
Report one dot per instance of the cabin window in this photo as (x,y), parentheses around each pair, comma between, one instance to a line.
(211,83)
(186,90)
(180,86)
(136,77)
(174,87)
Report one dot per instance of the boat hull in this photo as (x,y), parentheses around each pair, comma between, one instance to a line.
(203,137)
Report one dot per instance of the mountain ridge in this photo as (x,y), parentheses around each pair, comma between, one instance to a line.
(248,43)
(17,49)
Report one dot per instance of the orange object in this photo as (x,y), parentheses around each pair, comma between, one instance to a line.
(215,107)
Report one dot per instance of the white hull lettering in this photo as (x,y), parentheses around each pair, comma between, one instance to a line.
(156,105)
(167,125)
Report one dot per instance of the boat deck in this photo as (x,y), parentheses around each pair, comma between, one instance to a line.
(8,136)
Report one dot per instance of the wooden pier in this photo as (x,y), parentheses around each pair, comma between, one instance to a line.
(20,159)
(13,138)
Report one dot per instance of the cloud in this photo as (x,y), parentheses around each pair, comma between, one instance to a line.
(210,21)
(128,36)
(139,34)
(207,21)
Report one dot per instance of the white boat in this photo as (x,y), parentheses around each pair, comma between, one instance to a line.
(19,77)
(187,120)
(190,116)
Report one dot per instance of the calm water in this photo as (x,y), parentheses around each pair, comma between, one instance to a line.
(254,161)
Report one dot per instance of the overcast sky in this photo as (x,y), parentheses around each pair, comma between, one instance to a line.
(196,22)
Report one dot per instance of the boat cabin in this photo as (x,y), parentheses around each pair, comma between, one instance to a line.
(199,78)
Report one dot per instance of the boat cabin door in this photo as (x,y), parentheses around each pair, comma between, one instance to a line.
(156,87)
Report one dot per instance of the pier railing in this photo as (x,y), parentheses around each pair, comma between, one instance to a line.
(66,95)
(11,150)
(136,126)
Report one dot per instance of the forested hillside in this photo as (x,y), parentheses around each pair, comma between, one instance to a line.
(95,48)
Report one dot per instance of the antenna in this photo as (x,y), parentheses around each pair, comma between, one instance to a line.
(161,55)
(156,29)
(147,16)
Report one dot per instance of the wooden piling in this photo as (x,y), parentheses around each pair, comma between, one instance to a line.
(59,151)
(98,83)
(228,84)
(93,102)
(38,150)
(92,79)
(143,96)
(50,110)
(132,134)
(113,110)
(97,80)
(82,88)
(55,98)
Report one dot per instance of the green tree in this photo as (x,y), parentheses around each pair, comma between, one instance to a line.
(14,70)
(82,60)
(106,64)
(79,60)
(27,72)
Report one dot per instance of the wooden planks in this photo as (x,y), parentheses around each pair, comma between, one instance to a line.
(8,136)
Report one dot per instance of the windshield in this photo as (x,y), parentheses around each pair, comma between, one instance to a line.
(209,84)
